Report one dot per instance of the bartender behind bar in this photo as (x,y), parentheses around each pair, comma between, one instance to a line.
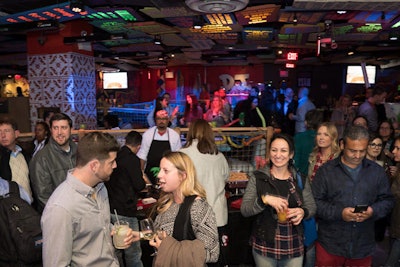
(156,141)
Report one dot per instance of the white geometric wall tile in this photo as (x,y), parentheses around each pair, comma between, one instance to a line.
(66,81)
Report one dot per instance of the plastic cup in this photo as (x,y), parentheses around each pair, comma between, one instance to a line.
(282,216)
(121,229)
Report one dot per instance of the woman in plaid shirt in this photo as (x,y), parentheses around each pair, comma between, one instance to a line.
(274,196)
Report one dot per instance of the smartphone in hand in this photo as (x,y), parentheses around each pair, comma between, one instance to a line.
(360,208)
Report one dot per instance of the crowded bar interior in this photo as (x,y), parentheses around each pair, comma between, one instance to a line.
(192,45)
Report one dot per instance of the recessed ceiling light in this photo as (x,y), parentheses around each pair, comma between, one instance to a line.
(157,39)
(77,6)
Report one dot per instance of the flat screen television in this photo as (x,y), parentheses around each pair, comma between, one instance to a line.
(115,80)
(354,74)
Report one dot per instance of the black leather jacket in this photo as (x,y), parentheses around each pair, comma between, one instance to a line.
(48,169)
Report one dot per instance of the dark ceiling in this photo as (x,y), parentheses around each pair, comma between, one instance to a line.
(125,31)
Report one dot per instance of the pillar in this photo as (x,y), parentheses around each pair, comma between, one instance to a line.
(62,75)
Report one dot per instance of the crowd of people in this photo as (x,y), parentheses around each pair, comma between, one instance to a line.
(326,192)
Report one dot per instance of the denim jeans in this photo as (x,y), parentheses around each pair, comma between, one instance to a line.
(262,261)
(131,255)
(394,254)
(309,257)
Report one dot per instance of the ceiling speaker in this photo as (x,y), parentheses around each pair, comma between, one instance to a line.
(216,6)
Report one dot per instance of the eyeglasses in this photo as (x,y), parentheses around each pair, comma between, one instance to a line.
(373,145)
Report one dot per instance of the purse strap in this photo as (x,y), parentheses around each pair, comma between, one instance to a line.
(183,223)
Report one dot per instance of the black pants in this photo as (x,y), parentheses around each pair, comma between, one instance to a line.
(223,248)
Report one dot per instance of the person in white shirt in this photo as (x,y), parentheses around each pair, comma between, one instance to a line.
(157,140)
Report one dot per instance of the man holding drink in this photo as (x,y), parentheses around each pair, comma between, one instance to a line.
(76,219)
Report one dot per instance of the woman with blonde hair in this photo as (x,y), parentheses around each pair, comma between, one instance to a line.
(190,236)
(326,147)
(215,114)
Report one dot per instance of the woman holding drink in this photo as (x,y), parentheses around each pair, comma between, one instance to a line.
(189,234)
(275,196)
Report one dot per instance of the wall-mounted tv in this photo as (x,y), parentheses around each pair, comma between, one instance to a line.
(354,74)
(115,80)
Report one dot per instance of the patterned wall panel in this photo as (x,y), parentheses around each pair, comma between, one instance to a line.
(66,81)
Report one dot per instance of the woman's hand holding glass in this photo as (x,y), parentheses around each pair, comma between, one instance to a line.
(295,215)
(147,228)
(279,203)
(151,233)
(156,241)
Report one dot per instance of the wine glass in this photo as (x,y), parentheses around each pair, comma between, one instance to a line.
(148,230)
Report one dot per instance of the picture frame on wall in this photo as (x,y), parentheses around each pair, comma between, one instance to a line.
(304,79)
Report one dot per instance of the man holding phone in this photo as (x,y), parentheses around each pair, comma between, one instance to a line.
(351,192)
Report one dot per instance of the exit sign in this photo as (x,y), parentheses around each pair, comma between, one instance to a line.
(292,56)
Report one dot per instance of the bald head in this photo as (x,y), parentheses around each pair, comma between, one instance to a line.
(303,92)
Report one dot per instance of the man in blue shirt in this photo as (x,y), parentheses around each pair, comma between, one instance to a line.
(347,237)
(5,189)
(304,105)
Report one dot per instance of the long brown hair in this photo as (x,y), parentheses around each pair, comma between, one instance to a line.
(202,131)
(191,108)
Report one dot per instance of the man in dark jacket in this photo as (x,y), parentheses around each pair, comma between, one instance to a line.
(123,188)
(49,167)
(346,237)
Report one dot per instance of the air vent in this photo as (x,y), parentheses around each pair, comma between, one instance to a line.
(216,6)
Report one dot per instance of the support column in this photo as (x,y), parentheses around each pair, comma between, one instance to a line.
(62,76)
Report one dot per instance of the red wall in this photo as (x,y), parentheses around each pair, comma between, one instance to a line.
(189,78)
(48,42)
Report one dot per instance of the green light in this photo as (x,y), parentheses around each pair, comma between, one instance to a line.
(370,28)
(113,26)
(125,15)
(283,37)
(112,15)
(103,15)
(95,16)
(396,25)
(342,30)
